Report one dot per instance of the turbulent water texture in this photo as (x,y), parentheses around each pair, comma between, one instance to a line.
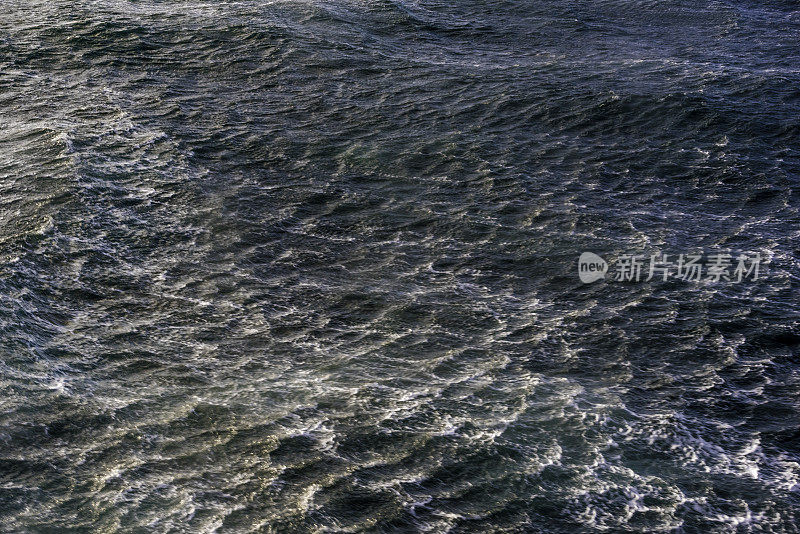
(310,266)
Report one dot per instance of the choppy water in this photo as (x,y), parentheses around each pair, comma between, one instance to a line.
(309,266)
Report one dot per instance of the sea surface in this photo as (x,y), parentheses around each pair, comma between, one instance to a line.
(306,266)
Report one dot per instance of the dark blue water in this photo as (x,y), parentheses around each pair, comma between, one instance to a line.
(310,266)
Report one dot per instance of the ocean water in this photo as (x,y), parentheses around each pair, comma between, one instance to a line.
(311,266)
